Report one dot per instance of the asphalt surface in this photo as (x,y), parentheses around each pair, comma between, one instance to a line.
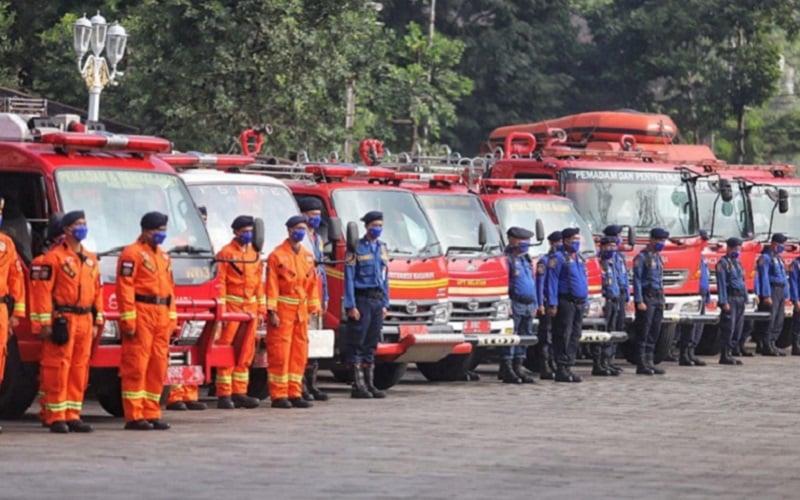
(695,433)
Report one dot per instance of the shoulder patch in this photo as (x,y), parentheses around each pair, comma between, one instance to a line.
(540,267)
(126,268)
(551,263)
(68,270)
(42,272)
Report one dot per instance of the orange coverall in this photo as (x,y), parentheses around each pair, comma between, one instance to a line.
(146,297)
(242,291)
(12,285)
(65,284)
(293,293)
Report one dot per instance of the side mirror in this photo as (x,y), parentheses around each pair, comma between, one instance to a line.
(539,230)
(352,236)
(334,229)
(783,201)
(258,234)
(631,237)
(725,190)
(482,235)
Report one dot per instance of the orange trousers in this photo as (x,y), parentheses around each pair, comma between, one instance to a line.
(145,357)
(183,393)
(64,371)
(3,339)
(234,380)
(287,354)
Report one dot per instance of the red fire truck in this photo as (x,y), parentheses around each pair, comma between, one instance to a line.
(115,179)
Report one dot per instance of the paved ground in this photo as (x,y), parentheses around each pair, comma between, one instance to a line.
(695,433)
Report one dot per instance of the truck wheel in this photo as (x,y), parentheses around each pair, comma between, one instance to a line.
(709,342)
(452,368)
(664,343)
(257,384)
(342,374)
(20,384)
(108,389)
(388,374)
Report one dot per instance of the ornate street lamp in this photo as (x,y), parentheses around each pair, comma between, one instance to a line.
(96,34)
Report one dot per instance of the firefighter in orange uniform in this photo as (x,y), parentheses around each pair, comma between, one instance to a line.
(292,294)
(12,292)
(67,312)
(242,291)
(145,293)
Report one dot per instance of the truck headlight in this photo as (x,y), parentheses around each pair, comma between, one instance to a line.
(594,307)
(502,309)
(192,329)
(441,313)
(110,330)
(691,307)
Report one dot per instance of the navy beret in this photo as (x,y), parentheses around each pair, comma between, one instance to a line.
(658,233)
(153,220)
(608,239)
(54,227)
(703,235)
(372,216)
(778,238)
(554,236)
(242,221)
(71,217)
(569,232)
(612,230)
(519,233)
(203,210)
(310,203)
(295,220)
(733,241)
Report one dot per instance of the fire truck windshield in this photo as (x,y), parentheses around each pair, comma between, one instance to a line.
(762,198)
(732,218)
(115,200)
(406,230)
(638,198)
(456,219)
(555,214)
(224,202)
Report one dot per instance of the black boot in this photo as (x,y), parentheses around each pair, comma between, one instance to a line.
(651,363)
(225,403)
(598,368)
(725,357)
(369,380)
(642,368)
(305,394)
(796,346)
(563,374)
(507,373)
(615,368)
(311,380)
(697,361)
(244,401)
(685,359)
(359,390)
(79,425)
(521,372)
(778,350)
(546,371)
(671,357)
(767,350)
(605,361)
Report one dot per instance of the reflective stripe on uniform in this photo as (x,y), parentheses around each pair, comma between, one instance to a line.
(223,379)
(56,406)
(133,394)
(74,405)
(288,300)
(277,378)
(19,307)
(152,396)
(293,377)
(127,315)
(241,377)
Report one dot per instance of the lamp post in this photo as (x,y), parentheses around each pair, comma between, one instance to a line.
(96,34)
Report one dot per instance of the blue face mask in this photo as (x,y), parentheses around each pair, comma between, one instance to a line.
(80,232)
(314,221)
(658,246)
(375,232)
(575,246)
(560,247)
(245,238)
(524,246)
(780,248)
(734,254)
(297,235)
(159,237)
(607,254)
(1,220)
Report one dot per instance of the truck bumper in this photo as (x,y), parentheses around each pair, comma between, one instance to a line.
(422,348)
(601,337)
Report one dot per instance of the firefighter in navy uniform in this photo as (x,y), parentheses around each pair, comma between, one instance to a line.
(366,302)
(648,294)
(522,290)
(771,276)
(544,348)
(567,286)
(732,293)
(603,352)
(621,266)
(691,334)
(794,293)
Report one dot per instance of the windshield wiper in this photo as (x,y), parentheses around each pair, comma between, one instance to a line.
(428,247)
(400,251)
(112,251)
(188,249)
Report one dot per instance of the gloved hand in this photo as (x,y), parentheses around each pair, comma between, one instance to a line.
(60,335)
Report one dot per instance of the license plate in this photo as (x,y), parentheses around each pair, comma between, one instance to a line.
(406,330)
(477,327)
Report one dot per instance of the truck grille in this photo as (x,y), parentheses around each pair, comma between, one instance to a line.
(675,278)
(472,309)
(409,311)
(712,278)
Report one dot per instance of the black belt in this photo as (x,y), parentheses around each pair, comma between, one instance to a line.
(653,292)
(370,293)
(573,299)
(73,309)
(522,300)
(777,285)
(737,293)
(7,300)
(152,299)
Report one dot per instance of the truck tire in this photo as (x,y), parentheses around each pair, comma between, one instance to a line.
(257,384)
(449,369)
(388,374)
(342,374)
(20,384)
(664,343)
(108,390)
(709,342)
